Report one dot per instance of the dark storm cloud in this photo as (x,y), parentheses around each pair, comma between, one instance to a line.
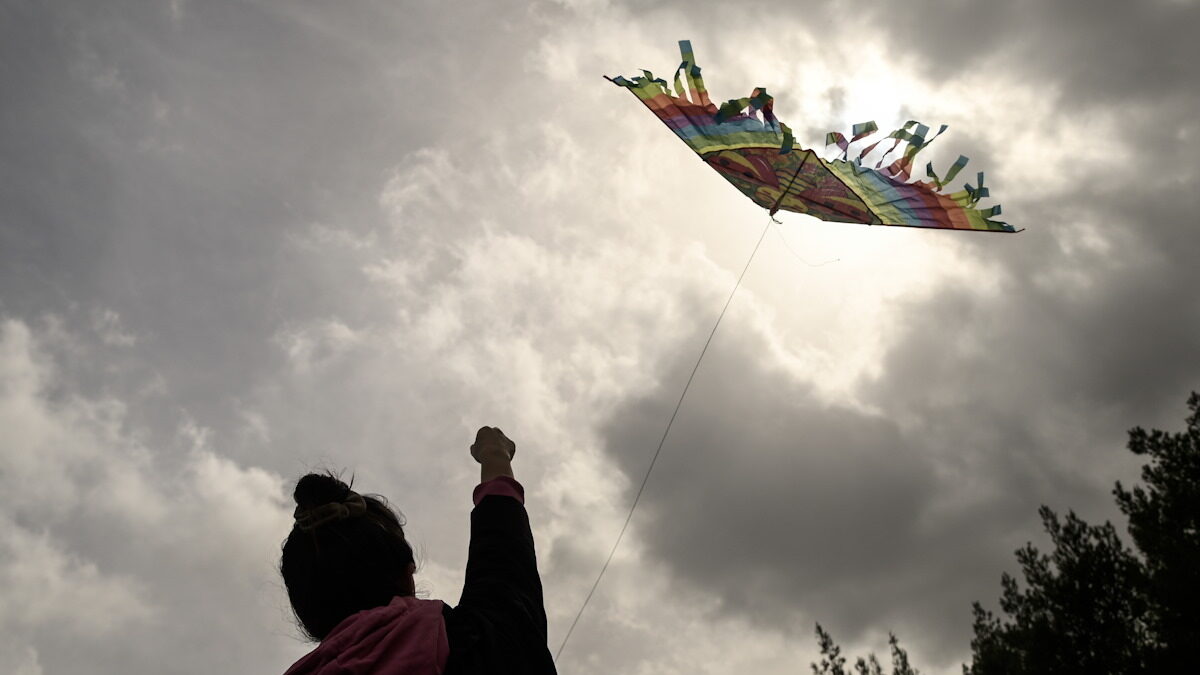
(788,509)
(994,396)
(747,426)
(1096,52)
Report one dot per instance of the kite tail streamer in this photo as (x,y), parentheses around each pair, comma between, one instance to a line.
(641,488)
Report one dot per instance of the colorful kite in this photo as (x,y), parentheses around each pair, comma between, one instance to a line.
(745,143)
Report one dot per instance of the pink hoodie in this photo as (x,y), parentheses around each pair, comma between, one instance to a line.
(408,635)
(405,637)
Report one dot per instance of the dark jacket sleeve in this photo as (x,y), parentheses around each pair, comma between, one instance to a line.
(499,625)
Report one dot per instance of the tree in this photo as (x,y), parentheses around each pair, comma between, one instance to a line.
(1094,605)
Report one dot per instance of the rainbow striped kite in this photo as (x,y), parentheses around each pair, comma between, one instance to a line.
(744,142)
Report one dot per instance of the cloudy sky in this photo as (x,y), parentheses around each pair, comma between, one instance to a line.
(243,240)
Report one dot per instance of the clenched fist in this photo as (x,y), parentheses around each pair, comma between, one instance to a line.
(492,444)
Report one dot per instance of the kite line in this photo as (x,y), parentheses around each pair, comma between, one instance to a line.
(661,441)
(752,153)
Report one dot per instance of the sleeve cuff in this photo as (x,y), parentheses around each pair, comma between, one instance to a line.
(500,485)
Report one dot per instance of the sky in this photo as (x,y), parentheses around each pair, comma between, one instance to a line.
(245,240)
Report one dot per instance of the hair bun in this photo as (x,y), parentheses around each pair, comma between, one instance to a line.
(318,489)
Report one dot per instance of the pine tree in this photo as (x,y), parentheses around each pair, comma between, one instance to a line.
(1096,606)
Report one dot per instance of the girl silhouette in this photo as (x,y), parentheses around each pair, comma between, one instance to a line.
(349,575)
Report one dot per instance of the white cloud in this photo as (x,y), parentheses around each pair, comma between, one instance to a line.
(48,587)
(74,481)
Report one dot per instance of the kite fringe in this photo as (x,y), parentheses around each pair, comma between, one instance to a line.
(911,141)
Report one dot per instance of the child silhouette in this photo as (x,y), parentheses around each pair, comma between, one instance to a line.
(349,574)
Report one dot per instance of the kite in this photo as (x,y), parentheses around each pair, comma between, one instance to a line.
(744,142)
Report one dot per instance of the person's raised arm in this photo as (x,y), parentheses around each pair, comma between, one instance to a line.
(499,624)
(501,563)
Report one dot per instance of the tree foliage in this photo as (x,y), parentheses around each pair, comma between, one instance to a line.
(1164,521)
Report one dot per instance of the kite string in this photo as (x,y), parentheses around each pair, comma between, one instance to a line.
(661,441)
